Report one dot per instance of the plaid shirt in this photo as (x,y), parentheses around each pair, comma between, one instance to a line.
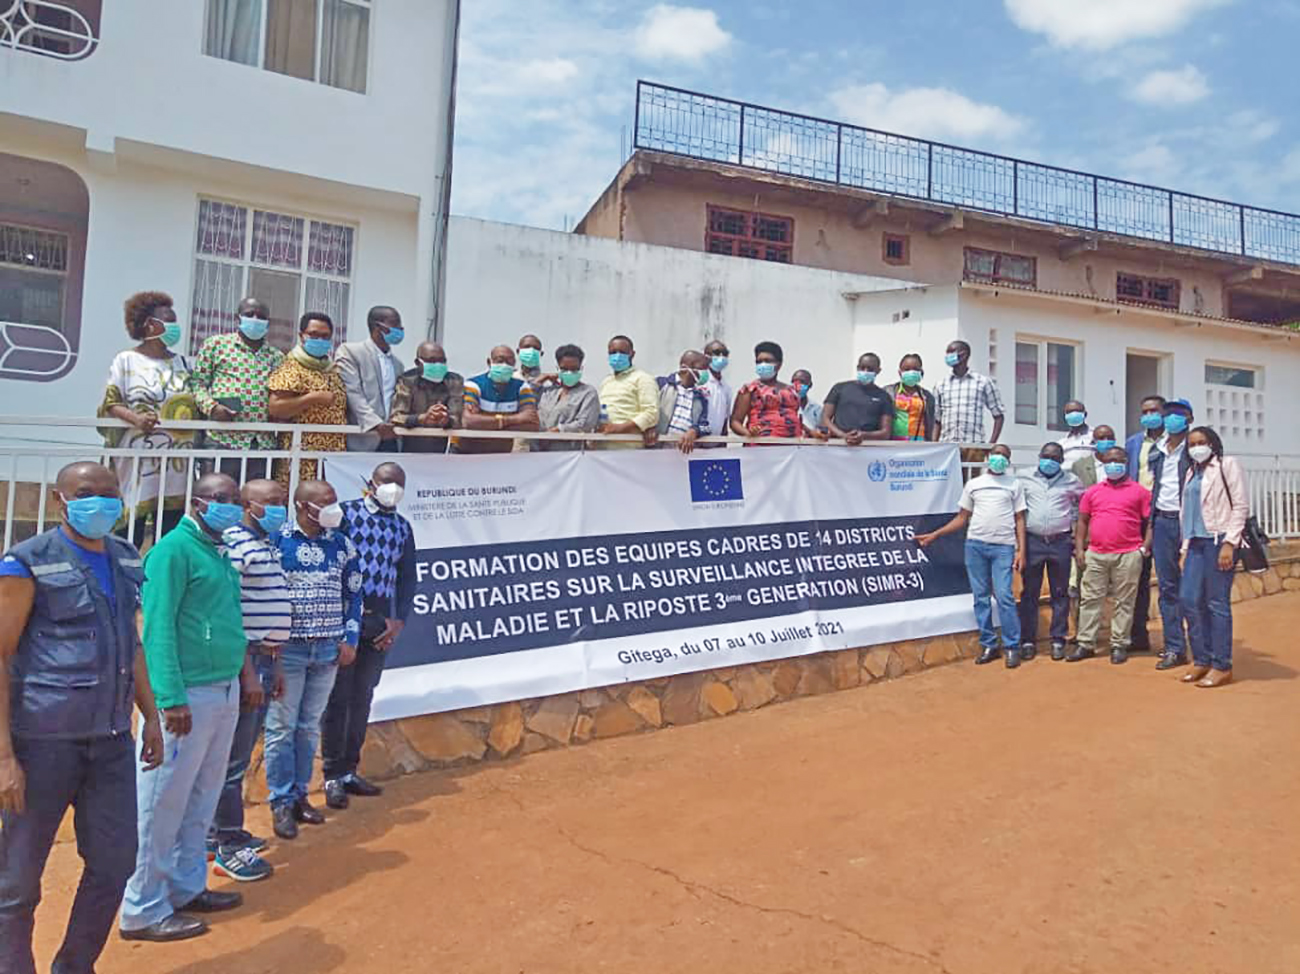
(227,367)
(961,402)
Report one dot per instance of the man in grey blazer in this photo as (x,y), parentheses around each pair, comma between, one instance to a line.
(370,370)
(1088,469)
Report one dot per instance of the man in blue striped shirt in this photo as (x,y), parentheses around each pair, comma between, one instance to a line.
(264,599)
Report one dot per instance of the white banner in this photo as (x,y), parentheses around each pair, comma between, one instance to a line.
(544,573)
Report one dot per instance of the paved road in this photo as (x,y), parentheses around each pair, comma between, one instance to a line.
(1060,818)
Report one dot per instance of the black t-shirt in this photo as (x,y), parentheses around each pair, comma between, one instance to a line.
(859,407)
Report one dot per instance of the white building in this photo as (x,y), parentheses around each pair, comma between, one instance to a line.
(298,152)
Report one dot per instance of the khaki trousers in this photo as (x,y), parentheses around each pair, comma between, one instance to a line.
(1108,576)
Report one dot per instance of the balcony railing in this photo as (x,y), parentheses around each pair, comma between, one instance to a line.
(67,30)
(701,126)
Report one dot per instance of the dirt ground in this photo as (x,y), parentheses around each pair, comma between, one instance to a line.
(1059,818)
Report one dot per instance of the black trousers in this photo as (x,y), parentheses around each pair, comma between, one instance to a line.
(1054,556)
(1142,608)
(343,726)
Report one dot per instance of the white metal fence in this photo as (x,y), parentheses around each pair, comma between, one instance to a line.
(33,466)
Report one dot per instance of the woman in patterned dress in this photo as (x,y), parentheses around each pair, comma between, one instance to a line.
(308,389)
(767,406)
(148,385)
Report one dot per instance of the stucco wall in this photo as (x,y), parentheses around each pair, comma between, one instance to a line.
(504,281)
(663,211)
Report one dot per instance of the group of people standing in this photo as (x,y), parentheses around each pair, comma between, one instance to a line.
(238,377)
(1106,514)
(263,618)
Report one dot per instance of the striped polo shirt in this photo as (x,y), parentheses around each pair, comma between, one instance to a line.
(264,595)
(488,397)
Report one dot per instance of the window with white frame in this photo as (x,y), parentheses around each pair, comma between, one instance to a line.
(294,263)
(316,40)
(1234,401)
(1047,377)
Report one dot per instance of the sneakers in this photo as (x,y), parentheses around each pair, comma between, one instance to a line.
(239,840)
(241,864)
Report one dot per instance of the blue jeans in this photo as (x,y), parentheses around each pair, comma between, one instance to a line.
(177,802)
(989,568)
(97,778)
(293,721)
(1207,604)
(229,821)
(1166,545)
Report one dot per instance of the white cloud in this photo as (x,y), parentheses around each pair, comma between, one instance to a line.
(669,33)
(1103,24)
(549,71)
(937,113)
(1178,86)
(1153,163)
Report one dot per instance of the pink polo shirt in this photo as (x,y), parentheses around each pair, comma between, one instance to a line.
(1117,511)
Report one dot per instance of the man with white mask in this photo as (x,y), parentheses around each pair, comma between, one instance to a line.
(323,576)
(386,554)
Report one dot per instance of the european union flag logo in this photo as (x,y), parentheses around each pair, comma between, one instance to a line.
(715,480)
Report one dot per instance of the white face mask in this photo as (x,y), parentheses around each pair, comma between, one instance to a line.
(329,516)
(1200,453)
(389,495)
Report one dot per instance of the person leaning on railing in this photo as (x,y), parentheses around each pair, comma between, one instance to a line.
(148,384)
(566,403)
(308,389)
(230,377)
(428,396)
(497,400)
(767,406)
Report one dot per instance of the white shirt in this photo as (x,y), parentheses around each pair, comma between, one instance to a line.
(387,375)
(1166,491)
(993,500)
(720,401)
(1076,446)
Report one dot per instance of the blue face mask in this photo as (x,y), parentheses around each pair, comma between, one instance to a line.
(1175,423)
(1152,421)
(501,372)
(866,378)
(530,358)
(219,516)
(765,370)
(719,362)
(434,371)
(1049,467)
(998,463)
(394,336)
(254,329)
(802,388)
(1114,471)
(317,347)
(951,359)
(1075,419)
(93,517)
(273,518)
(171,333)
(620,361)
(1101,446)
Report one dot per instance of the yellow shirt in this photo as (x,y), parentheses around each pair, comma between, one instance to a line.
(1144,470)
(630,397)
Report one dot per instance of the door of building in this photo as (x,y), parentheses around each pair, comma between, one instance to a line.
(1145,375)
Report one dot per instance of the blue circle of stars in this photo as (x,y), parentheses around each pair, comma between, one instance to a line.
(716,480)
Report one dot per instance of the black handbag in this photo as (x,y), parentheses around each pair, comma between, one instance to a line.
(1252,553)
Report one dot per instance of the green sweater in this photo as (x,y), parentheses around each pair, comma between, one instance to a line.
(193,621)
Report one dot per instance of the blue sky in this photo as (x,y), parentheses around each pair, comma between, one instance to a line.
(1196,95)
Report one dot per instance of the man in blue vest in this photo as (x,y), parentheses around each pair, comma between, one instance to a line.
(70,668)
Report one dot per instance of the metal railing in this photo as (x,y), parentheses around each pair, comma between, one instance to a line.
(56,30)
(37,464)
(1274,480)
(701,126)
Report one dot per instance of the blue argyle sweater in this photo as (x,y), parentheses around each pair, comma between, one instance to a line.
(386,554)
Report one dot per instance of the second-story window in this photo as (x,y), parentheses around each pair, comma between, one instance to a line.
(316,40)
(756,235)
(995,267)
(1156,291)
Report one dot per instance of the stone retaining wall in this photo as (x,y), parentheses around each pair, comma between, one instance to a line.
(524,727)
